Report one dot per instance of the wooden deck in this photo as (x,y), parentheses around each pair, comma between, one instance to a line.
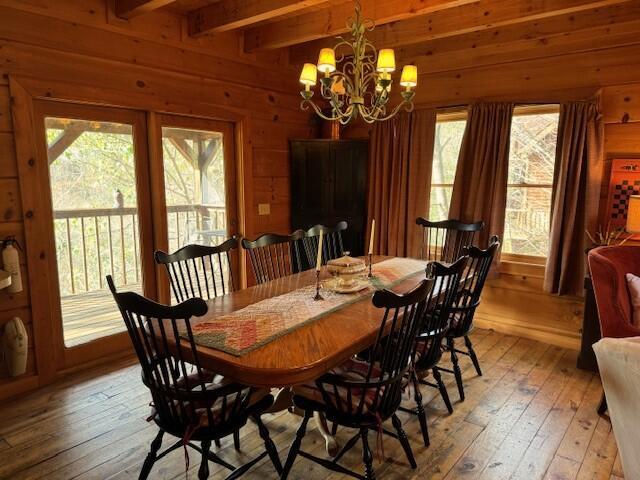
(531,416)
(87,316)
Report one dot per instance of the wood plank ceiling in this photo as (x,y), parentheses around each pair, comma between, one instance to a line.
(436,35)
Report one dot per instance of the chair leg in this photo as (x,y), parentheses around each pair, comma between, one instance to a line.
(236,440)
(443,389)
(295,446)
(422,416)
(151,456)
(456,367)
(203,471)
(217,442)
(472,354)
(404,441)
(367,456)
(602,408)
(334,428)
(272,451)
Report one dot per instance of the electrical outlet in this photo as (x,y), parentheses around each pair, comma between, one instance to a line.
(264,209)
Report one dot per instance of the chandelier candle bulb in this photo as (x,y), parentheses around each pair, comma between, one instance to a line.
(327,61)
(386,60)
(309,75)
(409,77)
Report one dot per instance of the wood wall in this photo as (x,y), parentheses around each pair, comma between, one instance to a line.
(77,48)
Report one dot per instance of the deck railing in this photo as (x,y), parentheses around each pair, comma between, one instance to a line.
(91,243)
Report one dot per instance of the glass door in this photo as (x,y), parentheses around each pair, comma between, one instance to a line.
(199,184)
(98,177)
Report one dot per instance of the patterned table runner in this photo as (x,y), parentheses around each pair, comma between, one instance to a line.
(255,325)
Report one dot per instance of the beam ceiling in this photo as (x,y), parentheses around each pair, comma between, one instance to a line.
(332,21)
(475,17)
(231,14)
(133,8)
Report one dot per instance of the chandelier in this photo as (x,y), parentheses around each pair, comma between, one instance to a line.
(362,87)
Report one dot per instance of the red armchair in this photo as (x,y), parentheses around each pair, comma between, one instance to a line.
(608,266)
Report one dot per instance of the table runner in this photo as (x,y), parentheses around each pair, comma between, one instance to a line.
(255,325)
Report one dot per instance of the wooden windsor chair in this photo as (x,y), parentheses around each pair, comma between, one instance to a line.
(201,271)
(465,304)
(189,402)
(443,241)
(429,340)
(363,394)
(332,245)
(274,256)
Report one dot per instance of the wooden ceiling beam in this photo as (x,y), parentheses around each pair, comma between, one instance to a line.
(233,14)
(332,21)
(593,29)
(479,16)
(132,8)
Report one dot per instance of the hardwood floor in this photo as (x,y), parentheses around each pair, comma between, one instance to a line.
(531,416)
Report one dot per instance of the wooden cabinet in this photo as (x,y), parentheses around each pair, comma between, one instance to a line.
(329,184)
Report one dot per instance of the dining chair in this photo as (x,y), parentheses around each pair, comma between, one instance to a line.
(274,256)
(332,246)
(363,394)
(444,240)
(430,337)
(464,307)
(199,271)
(188,402)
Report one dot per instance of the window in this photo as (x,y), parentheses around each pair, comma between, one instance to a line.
(532,151)
(448,138)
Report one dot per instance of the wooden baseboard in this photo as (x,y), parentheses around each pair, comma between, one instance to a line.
(19,385)
(553,336)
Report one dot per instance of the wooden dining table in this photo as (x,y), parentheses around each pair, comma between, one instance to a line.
(304,354)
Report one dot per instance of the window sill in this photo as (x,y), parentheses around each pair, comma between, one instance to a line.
(522,265)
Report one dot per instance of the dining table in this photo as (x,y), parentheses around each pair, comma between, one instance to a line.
(305,352)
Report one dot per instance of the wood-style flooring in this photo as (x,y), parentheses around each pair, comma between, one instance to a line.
(531,416)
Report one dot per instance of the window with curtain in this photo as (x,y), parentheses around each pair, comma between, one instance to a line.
(446,147)
(534,132)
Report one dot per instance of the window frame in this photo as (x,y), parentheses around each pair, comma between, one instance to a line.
(523,110)
(448,115)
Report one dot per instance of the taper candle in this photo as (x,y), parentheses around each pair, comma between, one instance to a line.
(373,229)
(319,259)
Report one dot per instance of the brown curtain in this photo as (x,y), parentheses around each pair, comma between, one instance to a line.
(480,185)
(400,159)
(576,189)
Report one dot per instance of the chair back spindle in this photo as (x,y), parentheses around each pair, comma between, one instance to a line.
(332,245)
(274,256)
(443,241)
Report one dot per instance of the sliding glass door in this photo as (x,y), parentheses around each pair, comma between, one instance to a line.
(198,184)
(97,166)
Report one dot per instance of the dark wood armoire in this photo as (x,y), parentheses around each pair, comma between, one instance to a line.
(329,184)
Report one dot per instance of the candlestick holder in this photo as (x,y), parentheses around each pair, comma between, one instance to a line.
(370,269)
(318,296)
